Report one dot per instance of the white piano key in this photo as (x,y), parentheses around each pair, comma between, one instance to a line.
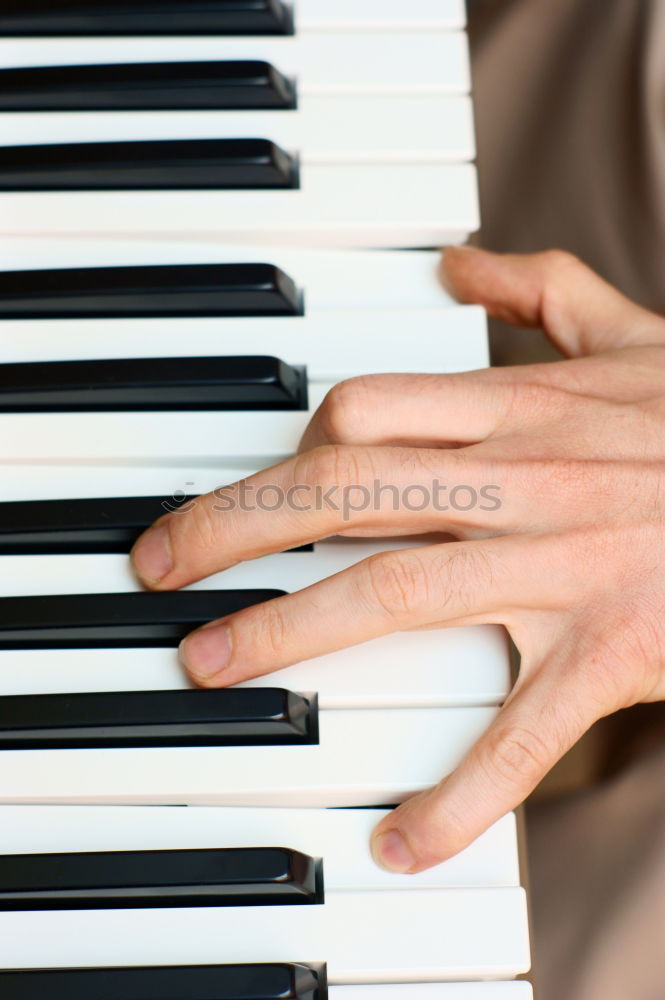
(341,837)
(22,481)
(153,436)
(397,936)
(434,991)
(125,438)
(448,668)
(110,573)
(453,667)
(333,344)
(368,757)
(397,63)
(350,279)
(394,205)
(435,129)
(378,15)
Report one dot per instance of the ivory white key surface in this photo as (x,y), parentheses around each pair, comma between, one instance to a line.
(434,991)
(111,573)
(171,436)
(341,837)
(20,481)
(397,63)
(401,935)
(144,437)
(394,205)
(447,668)
(330,279)
(333,344)
(368,757)
(351,129)
(378,15)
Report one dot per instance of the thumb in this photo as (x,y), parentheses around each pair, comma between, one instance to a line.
(538,724)
(579,311)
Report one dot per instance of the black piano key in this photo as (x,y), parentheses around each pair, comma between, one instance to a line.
(172,164)
(174,86)
(248,876)
(97,525)
(203,982)
(215,383)
(144,17)
(114,719)
(160,291)
(81,621)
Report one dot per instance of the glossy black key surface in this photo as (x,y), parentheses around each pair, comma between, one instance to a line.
(79,621)
(162,165)
(201,982)
(217,383)
(112,719)
(144,17)
(246,876)
(176,86)
(160,291)
(96,525)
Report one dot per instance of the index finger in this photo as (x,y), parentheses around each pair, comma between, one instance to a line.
(312,496)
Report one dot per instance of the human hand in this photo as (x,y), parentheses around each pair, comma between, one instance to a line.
(572,562)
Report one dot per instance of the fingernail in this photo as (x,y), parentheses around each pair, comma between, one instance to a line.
(152,554)
(391,851)
(206,651)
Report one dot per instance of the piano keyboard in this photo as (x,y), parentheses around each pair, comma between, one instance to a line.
(480,887)
(357,103)
(198,210)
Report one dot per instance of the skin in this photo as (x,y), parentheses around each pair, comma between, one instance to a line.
(572,564)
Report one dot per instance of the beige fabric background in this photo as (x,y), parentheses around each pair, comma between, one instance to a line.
(570,116)
(570,110)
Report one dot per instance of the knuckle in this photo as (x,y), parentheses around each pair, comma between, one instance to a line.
(197,529)
(447,831)
(517,755)
(334,464)
(398,583)
(268,630)
(463,575)
(559,263)
(623,663)
(562,273)
(317,466)
(534,402)
(341,415)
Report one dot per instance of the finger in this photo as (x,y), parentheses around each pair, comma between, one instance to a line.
(580,313)
(322,493)
(414,410)
(454,584)
(542,720)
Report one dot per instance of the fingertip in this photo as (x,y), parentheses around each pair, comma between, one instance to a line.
(206,653)
(151,556)
(458,268)
(391,851)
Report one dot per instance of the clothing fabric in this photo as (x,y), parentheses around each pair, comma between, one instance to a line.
(597,864)
(570,118)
